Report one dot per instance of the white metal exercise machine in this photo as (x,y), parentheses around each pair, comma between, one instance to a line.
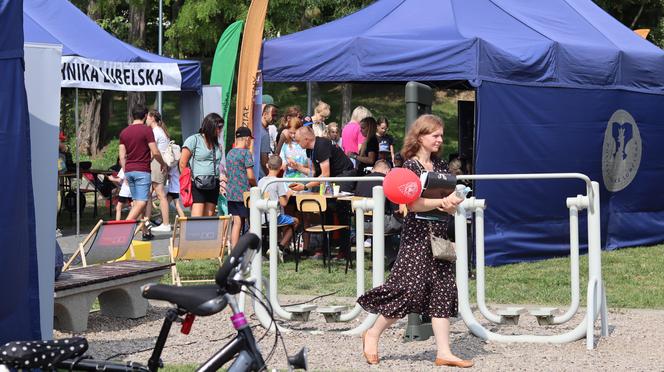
(258,206)
(596,305)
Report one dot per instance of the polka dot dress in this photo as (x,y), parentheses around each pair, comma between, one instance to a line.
(418,283)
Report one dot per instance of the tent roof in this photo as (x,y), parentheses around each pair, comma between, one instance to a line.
(569,43)
(60,22)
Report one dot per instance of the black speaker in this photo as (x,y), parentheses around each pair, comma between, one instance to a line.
(298,361)
(466,113)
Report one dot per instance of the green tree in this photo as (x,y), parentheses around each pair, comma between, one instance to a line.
(636,14)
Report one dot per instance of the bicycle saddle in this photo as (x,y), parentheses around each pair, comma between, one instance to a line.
(200,300)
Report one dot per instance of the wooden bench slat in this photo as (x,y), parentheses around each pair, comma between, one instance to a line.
(83,276)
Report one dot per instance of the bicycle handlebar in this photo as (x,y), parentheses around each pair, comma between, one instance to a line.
(242,254)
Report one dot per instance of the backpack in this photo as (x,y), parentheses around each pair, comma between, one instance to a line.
(172,154)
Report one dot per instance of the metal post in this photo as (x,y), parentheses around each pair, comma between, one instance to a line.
(309,99)
(255,227)
(479,259)
(78,171)
(161,26)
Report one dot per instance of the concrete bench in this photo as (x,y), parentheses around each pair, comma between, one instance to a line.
(116,284)
(510,315)
(332,314)
(544,315)
(300,312)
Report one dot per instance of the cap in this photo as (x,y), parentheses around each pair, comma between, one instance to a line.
(243,132)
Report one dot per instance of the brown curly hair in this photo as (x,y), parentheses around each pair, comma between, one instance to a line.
(425,124)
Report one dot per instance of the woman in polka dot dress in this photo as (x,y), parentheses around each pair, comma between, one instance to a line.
(418,283)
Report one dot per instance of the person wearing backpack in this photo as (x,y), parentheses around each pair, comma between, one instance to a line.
(159,178)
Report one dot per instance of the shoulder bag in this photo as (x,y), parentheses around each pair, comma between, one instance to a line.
(207,182)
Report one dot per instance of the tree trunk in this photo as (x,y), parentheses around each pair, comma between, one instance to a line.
(90,106)
(137,9)
(346,95)
(90,123)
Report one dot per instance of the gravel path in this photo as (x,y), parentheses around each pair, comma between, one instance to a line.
(635,343)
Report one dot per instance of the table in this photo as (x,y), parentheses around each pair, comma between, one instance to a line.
(65,184)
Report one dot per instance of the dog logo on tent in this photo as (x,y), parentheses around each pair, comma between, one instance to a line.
(621,153)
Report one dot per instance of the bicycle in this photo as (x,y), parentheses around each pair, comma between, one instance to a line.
(190,301)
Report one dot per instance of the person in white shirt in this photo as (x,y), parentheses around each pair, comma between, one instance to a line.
(124,197)
(158,177)
(278,191)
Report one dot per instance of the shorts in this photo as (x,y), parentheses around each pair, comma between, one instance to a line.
(284,219)
(237,208)
(124,199)
(204,196)
(139,185)
(157,175)
(174,195)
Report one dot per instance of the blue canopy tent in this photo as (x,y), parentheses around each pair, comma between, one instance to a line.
(19,308)
(561,87)
(103,62)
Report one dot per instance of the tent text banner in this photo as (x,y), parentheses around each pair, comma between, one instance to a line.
(79,72)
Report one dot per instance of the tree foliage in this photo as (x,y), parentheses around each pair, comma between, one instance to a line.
(636,14)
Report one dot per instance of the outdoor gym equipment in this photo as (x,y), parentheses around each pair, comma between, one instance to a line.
(376,204)
(596,305)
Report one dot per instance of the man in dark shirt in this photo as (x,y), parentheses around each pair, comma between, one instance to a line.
(137,147)
(328,160)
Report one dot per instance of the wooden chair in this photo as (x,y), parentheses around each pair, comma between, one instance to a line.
(317,204)
(198,238)
(108,241)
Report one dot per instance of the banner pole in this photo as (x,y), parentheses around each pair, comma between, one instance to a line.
(161,23)
(78,171)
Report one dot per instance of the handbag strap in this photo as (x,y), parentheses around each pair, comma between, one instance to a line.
(214,159)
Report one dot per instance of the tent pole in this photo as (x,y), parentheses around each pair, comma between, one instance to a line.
(161,23)
(309,103)
(78,171)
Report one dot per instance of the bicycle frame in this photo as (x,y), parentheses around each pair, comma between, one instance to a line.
(243,345)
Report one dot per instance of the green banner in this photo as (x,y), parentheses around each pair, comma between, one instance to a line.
(223,73)
(223,66)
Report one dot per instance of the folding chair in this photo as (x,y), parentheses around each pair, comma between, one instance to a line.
(198,238)
(313,203)
(108,241)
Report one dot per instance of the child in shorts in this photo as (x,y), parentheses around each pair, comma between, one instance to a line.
(240,173)
(279,191)
(173,191)
(124,197)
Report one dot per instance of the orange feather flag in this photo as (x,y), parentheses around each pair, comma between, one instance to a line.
(249,54)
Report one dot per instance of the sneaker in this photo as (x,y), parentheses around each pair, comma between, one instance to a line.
(147,237)
(317,256)
(367,243)
(162,228)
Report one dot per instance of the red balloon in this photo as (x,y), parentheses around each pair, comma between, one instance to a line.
(402,186)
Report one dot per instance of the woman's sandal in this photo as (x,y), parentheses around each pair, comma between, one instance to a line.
(371,358)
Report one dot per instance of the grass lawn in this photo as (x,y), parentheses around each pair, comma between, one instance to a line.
(632,276)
